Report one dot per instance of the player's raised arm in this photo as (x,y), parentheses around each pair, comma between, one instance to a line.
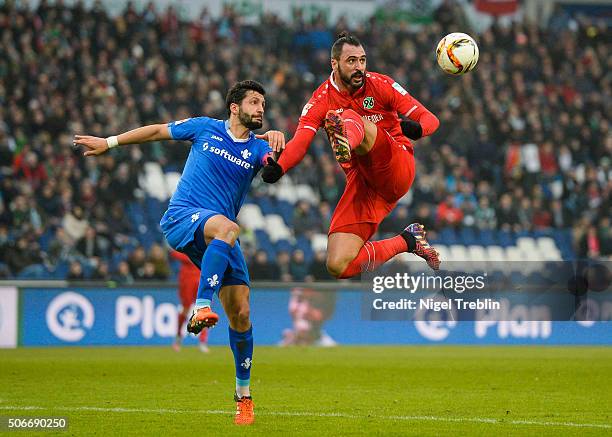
(97,146)
(419,121)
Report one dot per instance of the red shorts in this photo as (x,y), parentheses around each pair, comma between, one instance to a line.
(374,184)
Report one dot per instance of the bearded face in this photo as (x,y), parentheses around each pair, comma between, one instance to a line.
(250,121)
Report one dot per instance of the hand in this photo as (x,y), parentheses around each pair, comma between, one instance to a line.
(275,138)
(411,129)
(95,145)
(272,171)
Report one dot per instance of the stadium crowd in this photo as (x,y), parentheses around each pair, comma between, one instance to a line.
(524,142)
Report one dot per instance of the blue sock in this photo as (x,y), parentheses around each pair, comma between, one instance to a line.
(214,263)
(242,347)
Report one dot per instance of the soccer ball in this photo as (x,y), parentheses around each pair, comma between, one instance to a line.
(457,53)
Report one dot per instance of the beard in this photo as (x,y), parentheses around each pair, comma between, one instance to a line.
(348,79)
(248,122)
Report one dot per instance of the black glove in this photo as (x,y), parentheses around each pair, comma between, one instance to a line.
(411,129)
(272,172)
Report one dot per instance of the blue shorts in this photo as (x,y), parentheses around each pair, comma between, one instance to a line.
(183,228)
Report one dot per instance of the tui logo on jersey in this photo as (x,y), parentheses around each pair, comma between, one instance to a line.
(368,102)
(245,154)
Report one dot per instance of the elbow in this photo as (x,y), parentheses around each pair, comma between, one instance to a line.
(435,124)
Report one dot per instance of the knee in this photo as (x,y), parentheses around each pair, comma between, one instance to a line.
(228,232)
(336,265)
(240,319)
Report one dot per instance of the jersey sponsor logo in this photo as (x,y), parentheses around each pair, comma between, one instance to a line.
(399,88)
(374,118)
(307,107)
(215,137)
(205,146)
(176,123)
(228,156)
(368,102)
(246,154)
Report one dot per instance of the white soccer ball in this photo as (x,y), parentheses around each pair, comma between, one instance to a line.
(457,53)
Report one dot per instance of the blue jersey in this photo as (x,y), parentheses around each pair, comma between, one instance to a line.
(220,167)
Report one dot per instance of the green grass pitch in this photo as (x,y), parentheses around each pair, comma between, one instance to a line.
(412,390)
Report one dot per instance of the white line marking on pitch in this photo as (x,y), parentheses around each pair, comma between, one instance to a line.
(315,414)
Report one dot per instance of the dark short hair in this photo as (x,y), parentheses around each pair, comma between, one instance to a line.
(343,38)
(238,92)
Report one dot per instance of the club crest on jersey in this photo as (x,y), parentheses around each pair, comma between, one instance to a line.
(368,102)
(246,154)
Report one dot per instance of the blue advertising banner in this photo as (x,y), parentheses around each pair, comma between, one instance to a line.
(130,316)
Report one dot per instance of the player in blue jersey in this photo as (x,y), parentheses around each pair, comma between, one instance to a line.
(200,221)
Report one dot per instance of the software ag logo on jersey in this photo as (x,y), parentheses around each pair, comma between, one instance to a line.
(206,147)
(69,316)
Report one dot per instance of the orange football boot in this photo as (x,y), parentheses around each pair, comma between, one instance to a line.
(200,319)
(244,410)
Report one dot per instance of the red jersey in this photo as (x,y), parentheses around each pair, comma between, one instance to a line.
(380,99)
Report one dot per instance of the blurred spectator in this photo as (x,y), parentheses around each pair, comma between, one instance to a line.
(75,271)
(75,224)
(157,257)
(122,275)
(136,262)
(101,272)
(283,263)
(318,267)
(260,269)
(297,266)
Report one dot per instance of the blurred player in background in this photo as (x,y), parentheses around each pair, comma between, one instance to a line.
(188,280)
(309,309)
(359,111)
(200,221)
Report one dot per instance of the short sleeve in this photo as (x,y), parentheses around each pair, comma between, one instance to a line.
(187,129)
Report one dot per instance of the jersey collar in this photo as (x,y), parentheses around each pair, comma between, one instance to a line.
(234,139)
(346,93)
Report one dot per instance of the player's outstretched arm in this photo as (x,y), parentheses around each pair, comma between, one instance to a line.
(276,140)
(97,146)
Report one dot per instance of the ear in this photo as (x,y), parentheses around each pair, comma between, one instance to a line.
(234,108)
(334,64)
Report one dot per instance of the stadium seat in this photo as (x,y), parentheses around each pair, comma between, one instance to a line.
(276,228)
(172,179)
(319,242)
(458,253)
(250,217)
(305,192)
(496,254)
(448,236)
(153,181)
(477,253)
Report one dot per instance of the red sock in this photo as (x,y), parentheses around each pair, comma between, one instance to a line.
(355,130)
(373,254)
(204,336)
(181,319)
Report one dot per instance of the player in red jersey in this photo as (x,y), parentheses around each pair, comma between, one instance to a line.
(359,111)
(188,280)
